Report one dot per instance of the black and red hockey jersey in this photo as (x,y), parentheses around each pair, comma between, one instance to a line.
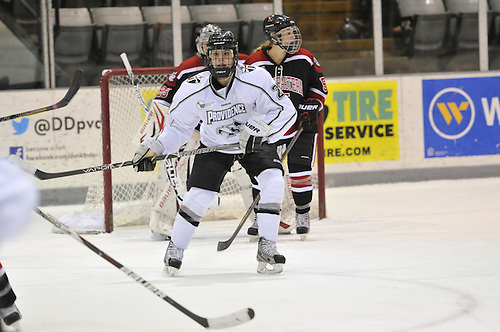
(299,75)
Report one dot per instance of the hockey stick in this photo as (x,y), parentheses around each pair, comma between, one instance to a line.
(127,65)
(45,175)
(149,115)
(233,319)
(223,245)
(169,166)
(73,89)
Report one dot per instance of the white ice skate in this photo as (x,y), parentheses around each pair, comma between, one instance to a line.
(269,259)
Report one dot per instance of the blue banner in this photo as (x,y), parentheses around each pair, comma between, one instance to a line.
(461,117)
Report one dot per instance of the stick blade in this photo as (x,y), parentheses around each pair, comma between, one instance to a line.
(234,319)
(22,164)
(223,245)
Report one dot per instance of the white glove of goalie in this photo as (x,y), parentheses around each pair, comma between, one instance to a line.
(148,148)
(252,135)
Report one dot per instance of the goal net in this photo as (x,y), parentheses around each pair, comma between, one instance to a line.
(125,197)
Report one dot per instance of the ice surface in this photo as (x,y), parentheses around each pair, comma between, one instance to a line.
(395,257)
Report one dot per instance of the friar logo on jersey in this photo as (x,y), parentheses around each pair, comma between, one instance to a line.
(248,69)
(230,130)
(228,113)
(194,79)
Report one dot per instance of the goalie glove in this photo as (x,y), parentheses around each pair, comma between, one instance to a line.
(252,135)
(142,157)
(308,113)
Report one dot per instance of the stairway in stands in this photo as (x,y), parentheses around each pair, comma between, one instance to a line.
(321,21)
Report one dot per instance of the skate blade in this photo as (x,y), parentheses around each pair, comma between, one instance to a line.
(266,268)
(253,238)
(16,325)
(170,271)
(303,237)
(155,236)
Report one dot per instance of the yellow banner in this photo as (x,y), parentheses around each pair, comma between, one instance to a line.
(362,122)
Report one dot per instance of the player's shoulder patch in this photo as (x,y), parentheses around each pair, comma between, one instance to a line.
(248,69)
(316,62)
(172,76)
(195,79)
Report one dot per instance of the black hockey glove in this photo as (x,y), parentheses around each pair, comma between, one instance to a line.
(252,135)
(142,157)
(308,114)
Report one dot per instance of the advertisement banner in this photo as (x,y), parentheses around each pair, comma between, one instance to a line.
(361,122)
(461,117)
(55,141)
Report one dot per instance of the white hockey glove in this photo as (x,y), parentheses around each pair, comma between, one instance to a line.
(252,135)
(142,157)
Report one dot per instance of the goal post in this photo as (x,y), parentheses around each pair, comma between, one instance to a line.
(126,197)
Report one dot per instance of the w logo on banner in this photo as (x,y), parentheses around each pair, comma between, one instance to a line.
(451,113)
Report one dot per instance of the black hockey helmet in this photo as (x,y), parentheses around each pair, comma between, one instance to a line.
(274,25)
(217,42)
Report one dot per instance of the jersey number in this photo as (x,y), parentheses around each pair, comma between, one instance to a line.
(280,93)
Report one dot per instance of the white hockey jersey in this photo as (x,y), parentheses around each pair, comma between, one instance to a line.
(251,93)
(18,197)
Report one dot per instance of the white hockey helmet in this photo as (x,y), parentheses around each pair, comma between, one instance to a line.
(203,36)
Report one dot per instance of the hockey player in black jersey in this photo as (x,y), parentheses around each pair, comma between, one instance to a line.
(237,104)
(298,73)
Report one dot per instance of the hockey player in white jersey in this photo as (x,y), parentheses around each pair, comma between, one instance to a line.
(236,104)
(18,197)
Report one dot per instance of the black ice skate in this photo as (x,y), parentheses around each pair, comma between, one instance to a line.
(173,259)
(303,224)
(11,316)
(253,230)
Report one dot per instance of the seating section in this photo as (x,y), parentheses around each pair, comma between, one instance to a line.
(73,37)
(450,23)
(160,38)
(99,33)
(253,14)
(119,29)
(223,15)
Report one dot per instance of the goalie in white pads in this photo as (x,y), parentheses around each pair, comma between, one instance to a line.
(235,103)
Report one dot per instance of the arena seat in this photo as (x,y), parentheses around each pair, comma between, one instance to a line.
(73,38)
(253,14)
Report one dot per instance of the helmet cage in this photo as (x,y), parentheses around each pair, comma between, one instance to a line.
(218,42)
(290,47)
(273,28)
